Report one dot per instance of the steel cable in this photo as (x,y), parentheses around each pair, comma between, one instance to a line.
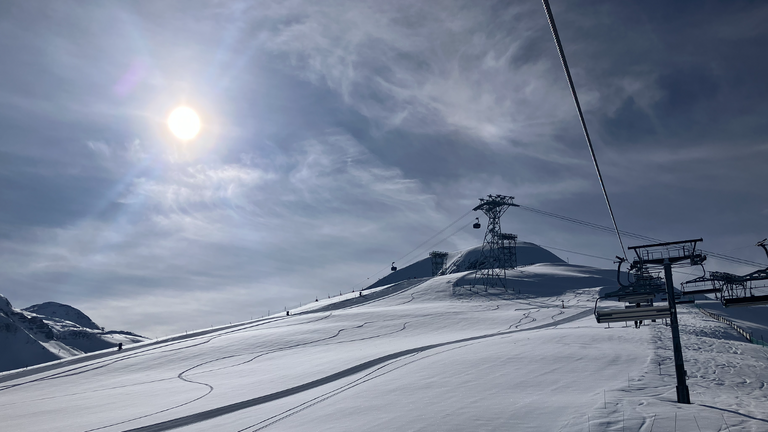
(563,60)
(604,228)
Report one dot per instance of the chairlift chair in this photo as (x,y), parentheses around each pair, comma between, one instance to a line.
(476,225)
(630,313)
(393,268)
(645,285)
(746,301)
(643,288)
(700,285)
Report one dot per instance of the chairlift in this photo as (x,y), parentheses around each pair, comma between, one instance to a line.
(393,268)
(701,285)
(734,290)
(644,287)
(476,225)
(639,293)
(635,312)
(691,292)
(634,297)
(746,301)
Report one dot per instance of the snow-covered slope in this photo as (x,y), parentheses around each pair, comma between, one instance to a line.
(467,259)
(418,355)
(46,332)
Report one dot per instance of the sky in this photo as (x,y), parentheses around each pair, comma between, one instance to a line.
(338,136)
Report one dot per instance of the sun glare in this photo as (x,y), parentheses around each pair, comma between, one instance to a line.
(184,123)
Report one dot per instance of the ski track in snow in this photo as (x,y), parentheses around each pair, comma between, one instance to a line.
(150,351)
(359,381)
(142,350)
(366,299)
(228,409)
(183,375)
(187,372)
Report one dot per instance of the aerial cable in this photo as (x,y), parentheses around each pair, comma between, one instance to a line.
(560,51)
(433,245)
(417,247)
(435,235)
(602,258)
(577,253)
(588,224)
(606,229)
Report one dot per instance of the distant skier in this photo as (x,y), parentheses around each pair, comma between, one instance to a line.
(361,294)
(120,346)
(287,313)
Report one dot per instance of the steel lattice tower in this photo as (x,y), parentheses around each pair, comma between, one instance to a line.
(508,250)
(495,259)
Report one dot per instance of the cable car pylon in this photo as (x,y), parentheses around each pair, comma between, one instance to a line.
(495,259)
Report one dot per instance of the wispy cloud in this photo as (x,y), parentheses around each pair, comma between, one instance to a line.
(195,227)
(427,69)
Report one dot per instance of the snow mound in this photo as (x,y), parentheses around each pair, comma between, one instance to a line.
(65,312)
(472,258)
(537,280)
(465,260)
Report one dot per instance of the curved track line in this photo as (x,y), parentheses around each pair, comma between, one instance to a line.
(142,350)
(238,406)
(370,298)
(182,377)
(337,391)
(142,353)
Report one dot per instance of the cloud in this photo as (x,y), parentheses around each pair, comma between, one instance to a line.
(424,69)
(194,227)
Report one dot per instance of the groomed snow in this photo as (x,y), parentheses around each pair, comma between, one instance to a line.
(433,355)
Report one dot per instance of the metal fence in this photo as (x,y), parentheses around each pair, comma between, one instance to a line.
(747,335)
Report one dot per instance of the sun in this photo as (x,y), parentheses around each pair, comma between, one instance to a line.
(184,123)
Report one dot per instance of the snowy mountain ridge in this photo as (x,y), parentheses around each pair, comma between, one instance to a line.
(58,311)
(51,331)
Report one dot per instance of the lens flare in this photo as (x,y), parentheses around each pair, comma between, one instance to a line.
(184,123)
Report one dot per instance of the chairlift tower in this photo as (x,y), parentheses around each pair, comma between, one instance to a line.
(438,261)
(666,255)
(494,258)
